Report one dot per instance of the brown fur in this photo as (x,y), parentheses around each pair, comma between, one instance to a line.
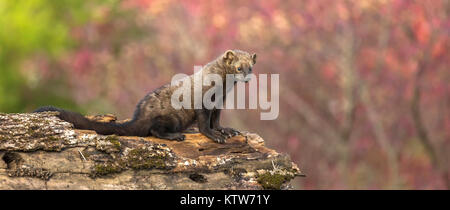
(155,115)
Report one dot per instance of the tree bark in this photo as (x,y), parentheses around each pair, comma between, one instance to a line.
(40,151)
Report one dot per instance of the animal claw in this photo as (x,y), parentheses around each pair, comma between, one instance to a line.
(220,140)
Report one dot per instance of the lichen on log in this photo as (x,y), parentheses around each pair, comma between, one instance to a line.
(40,151)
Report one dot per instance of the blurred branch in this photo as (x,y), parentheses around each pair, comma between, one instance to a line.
(347,80)
(379,132)
(421,129)
(422,132)
(312,119)
(416,112)
(366,98)
(417,117)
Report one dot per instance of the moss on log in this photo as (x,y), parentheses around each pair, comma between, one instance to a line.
(39,151)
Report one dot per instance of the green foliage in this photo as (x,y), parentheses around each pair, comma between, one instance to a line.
(29,26)
(36,27)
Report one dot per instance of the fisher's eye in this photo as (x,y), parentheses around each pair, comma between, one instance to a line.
(239,69)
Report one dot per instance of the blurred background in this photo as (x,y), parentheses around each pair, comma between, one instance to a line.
(364,84)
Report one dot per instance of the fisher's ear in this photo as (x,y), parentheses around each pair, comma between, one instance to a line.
(229,56)
(254,58)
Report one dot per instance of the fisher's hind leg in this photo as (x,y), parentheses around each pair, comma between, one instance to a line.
(165,128)
(160,133)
